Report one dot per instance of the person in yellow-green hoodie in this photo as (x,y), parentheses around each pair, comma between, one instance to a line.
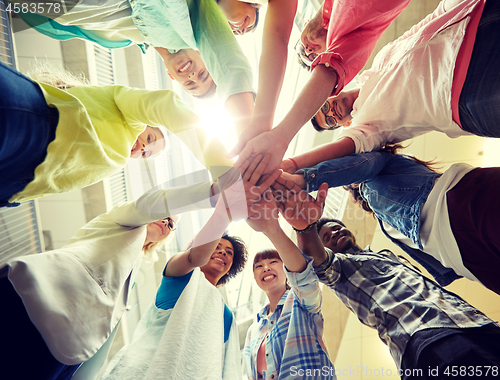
(54,140)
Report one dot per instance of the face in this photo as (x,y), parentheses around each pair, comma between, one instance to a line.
(222,258)
(159,230)
(187,68)
(312,41)
(335,112)
(336,237)
(269,274)
(148,144)
(240,15)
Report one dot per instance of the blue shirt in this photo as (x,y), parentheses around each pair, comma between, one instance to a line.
(393,298)
(293,333)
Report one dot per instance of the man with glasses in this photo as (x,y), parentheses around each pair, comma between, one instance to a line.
(336,43)
(441,75)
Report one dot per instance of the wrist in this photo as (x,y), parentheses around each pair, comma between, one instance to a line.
(294,163)
(309,228)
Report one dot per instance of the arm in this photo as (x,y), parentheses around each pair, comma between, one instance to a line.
(340,148)
(228,207)
(165,108)
(224,59)
(277,28)
(312,97)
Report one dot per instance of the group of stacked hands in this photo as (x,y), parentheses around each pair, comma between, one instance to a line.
(445,67)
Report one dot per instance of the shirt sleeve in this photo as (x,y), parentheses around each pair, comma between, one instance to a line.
(161,202)
(330,271)
(343,171)
(305,285)
(370,137)
(165,108)
(353,31)
(219,49)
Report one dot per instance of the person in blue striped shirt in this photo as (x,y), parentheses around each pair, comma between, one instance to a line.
(286,341)
(424,325)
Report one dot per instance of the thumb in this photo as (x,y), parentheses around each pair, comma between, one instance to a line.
(321,196)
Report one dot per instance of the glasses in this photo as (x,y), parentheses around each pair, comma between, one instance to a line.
(330,120)
(172,226)
(306,58)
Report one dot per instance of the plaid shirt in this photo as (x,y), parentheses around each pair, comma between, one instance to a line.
(293,333)
(393,298)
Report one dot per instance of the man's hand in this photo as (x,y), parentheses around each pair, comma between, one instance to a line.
(297,207)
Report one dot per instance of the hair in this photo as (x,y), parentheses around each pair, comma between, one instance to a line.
(240,255)
(392,149)
(316,125)
(56,76)
(325,220)
(266,255)
(151,249)
(257,10)
(302,63)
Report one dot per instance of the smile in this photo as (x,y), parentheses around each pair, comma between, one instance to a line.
(269,277)
(134,146)
(218,259)
(185,67)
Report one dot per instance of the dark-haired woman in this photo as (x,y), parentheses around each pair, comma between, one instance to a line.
(188,332)
(447,222)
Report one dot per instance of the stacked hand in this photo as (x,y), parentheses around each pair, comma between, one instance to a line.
(244,186)
(297,207)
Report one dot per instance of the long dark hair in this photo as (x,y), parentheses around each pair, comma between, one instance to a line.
(392,149)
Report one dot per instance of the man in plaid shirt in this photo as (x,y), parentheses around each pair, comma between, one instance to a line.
(424,326)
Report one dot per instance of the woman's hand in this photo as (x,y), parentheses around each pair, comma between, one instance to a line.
(297,179)
(263,215)
(288,166)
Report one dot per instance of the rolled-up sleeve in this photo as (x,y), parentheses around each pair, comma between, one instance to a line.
(305,285)
(353,30)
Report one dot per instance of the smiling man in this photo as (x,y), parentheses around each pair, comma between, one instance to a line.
(336,112)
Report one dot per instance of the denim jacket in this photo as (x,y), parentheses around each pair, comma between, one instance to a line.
(396,189)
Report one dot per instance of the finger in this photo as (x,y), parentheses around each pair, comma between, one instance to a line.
(270,179)
(321,196)
(260,168)
(253,164)
(290,185)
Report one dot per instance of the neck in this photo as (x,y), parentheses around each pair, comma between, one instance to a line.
(274,298)
(212,278)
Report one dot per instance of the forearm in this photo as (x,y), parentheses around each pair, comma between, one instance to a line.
(240,107)
(277,28)
(290,255)
(339,148)
(310,245)
(317,90)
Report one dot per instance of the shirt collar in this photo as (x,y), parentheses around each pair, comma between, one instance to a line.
(263,313)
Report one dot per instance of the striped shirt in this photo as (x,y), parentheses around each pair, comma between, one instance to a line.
(294,334)
(393,298)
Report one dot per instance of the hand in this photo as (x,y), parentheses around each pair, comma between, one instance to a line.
(297,179)
(288,166)
(267,142)
(237,196)
(263,215)
(297,207)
